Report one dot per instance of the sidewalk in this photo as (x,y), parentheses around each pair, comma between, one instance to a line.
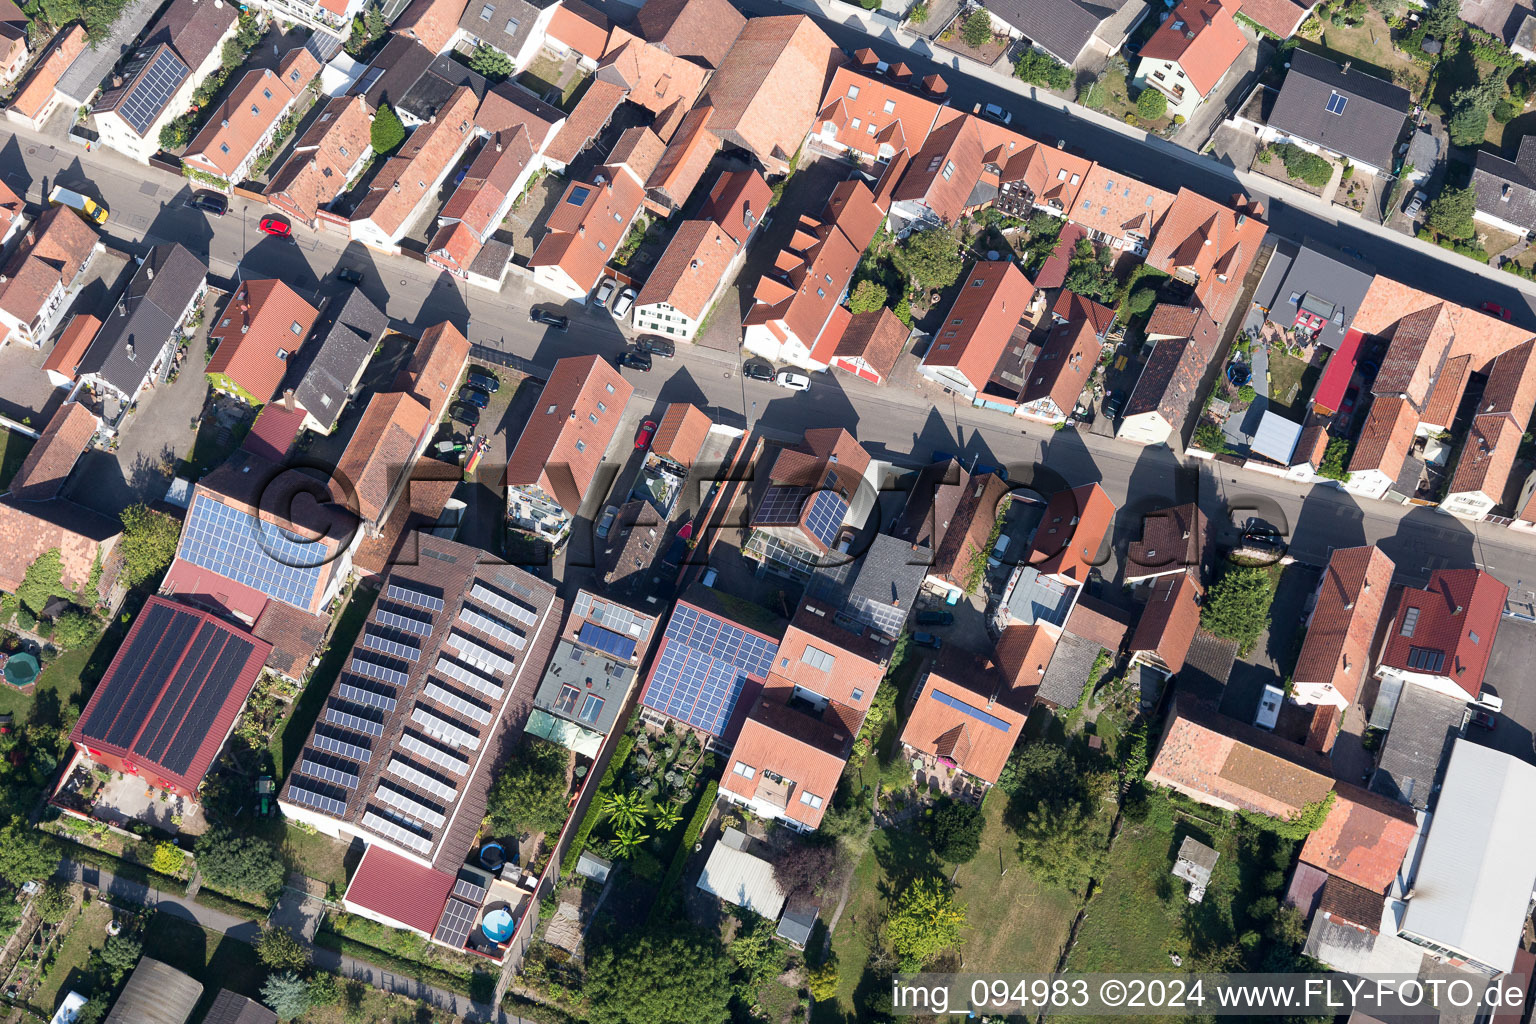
(249,931)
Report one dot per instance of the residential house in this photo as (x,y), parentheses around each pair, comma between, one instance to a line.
(1071,532)
(48,464)
(592,219)
(947,521)
(44,273)
(1282,17)
(133,350)
(1073,31)
(329,369)
(702,258)
(179,51)
(1338,110)
(1164,405)
(244,126)
(436,366)
(432,23)
(1023,655)
(588,121)
(651,77)
(1315,289)
(941,183)
(1210,247)
(769,87)
(37,98)
(414,736)
(1189,54)
(1423,724)
(1056,379)
(1173,541)
(586,686)
(515,27)
(867,113)
(1224,763)
(63,362)
(92,69)
(170,698)
(1488,454)
(870,345)
(1168,623)
(263,325)
(710,665)
(966,719)
(1442,635)
(13,41)
(409,180)
(875,590)
(799,299)
(1506,189)
(30,529)
(423,96)
(1361,845)
(1119,210)
(1040,177)
(701,31)
(978,326)
(492,183)
(556,459)
(1479,856)
(1341,628)
(686,159)
(578,31)
(815,491)
(328,156)
(331,17)
(376,463)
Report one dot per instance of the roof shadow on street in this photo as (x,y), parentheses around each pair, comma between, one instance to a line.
(1427,539)
(443,302)
(1157,483)
(176,222)
(795,412)
(1066,458)
(16,177)
(1330,518)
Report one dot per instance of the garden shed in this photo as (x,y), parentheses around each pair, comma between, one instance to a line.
(156,993)
(736,875)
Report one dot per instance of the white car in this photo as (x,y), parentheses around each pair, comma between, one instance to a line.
(997,113)
(626,299)
(605,289)
(792,379)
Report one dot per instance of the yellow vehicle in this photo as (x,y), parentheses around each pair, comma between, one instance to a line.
(89,208)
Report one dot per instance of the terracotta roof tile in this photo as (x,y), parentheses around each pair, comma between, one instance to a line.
(274,431)
(262,326)
(295,637)
(426,494)
(663,83)
(472,213)
(1282,17)
(1053,176)
(958,735)
(1172,540)
(1352,903)
(804,751)
(50,253)
(1073,307)
(681,434)
(379,455)
(316,171)
(1119,205)
(1214,244)
(1104,624)
(581,28)
(433,23)
(401,890)
(1061,370)
(586,227)
(980,322)
(258,101)
(1340,634)
(70,348)
(32,528)
(435,367)
(1445,396)
(36,92)
(944,170)
(1487,458)
(686,159)
(47,466)
(1363,840)
(1202,38)
(858,94)
(690,269)
(876,339)
(546,455)
(1170,379)
(1386,436)
(1022,654)
(1168,621)
(698,30)
(404,180)
(638,150)
(1071,531)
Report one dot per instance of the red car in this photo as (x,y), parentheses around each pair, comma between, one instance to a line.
(647,431)
(1497,310)
(276,228)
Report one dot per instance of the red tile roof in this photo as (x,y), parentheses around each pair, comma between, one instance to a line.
(1104,624)
(472,212)
(1336,376)
(47,466)
(1363,840)
(51,252)
(1487,458)
(1119,205)
(546,455)
(1215,243)
(316,171)
(29,529)
(237,125)
(1071,531)
(979,323)
(1201,37)
(274,431)
(663,83)
(430,22)
(699,30)
(1282,17)
(1386,436)
(737,202)
(1456,616)
(1350,599)
(1168,621)
(580,27)
(379,455)
(1053,273)
(874,339)
(586,226)
(956,736)
(856,671)
(37,90)
(690,269)
(1073,307)
(1061,370)
(1053,176)
(801,749)
(683,163)
(944,170)
(435,367)
(586,121)
(262,326)
(857,94)
(406,178)
(1022,654)
(71,346)
(1172,540)
(398,889)
(681,434)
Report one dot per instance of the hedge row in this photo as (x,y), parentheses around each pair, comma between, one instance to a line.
(690,839)
(595,808)
(436,977)
(126,869)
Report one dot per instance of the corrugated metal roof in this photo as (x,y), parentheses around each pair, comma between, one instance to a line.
(741,878)
(156,993)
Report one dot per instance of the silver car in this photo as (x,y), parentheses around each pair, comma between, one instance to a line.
(626,299)
(604,292)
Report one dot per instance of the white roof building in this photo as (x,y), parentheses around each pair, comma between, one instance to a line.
(1473,886)
(742,878)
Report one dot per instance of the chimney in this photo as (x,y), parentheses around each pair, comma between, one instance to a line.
(1345,69)
(1459,610)
(288,402)
(498,147)
(149,273)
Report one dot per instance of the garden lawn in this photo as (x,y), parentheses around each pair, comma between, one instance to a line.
(1118,101)
(314,855)
(1371,42)
(288,738)
(1285,373)
(212,958)
(87,935)
(14,447)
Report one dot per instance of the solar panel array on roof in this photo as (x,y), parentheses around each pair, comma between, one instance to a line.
(443,729)
(412,596)
(319,801)
(704,665)
(237,546)
(469,888)
(390,828)
(781,506)
(826,516)
(432,752)
(966,709)
(609,615)
(340,744)
(480,655)
(354,717)
(329,774)
(152,91)
(368,695)
(375,670)
(403,801)
(519,611)
(475,619)
(606,640)
(384,644)
(403,621)
(420,779)
(458,921)
(474,680)
(449,699)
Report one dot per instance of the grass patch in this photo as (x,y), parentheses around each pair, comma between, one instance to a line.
(288,738)
(14,447)
(212,446)
(312,854)
(214,959)
(86,935)
(1371,42)
(1285,373)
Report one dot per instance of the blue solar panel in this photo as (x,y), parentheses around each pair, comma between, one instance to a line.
(826,516)
(703,666)
(606,640)
(965,709)
(237,546)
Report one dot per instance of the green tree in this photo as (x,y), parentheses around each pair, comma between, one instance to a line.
(168,859)
(1139,301)
(659,980)
(287,994)
(919,15)
(530,794)
(930,259)
(1444,19)
(43,581)
(148,544)
(74,628)
(239,864)
(120,955)
(250,31)
(758,955)
(954,829)
(867,297)
(1091,271)
(1237,605)
(1507,109)
(1470,109)
(374,23)
(53,902)
(323,990)
(976,30)
(176,134)
(492,63)
(1450,213)
(627,839)
(94,1011)
(1095,96)
(25,853)
(279,950)
(387,132)
(924,922)
(1335,459)
(231,56)
(822,981)
(1151,104)
(1038,68)
(1211,437)
(1063,845)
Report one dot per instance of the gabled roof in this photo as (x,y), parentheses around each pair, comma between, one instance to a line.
(403,182)
(978,325)
(586,121)
(29,529)
(663,83)
(37,90)
(1215,243)
(1487,457)
(959,718)
(316,171)
(690,269)
(341,343)
(1169,620)
(433,89)
(431,22)
(1365,126)
(149,79)
(1022,654)
(1340,634)
(586,226)
(1119,205)
(1060,27)
(1447,629)
(1071,531)
(1282,17)
(737,202)
(805,750)
(697,30)
(1385,438)
(47,466)
(144,317)
(1201,37)
(256,103)
(261,328)
(72,343)
(1363,840)
(1054,176)
(684,162)
(860,94)
(156,993)
(399,889)
(681,434)
(547,454)
(379,455)
(504,24)
(50,252)
(1329,283)
(171,694)
(472,212)
(1061,370)
(580,27)
(1170,379)
(1506,189)
(876,338)
(192,28)
(944,170)
(1172,540)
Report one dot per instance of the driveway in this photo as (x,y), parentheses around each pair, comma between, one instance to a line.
(1233,88)
(1509,676)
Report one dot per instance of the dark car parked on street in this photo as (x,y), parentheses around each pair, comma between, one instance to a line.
(215,203)
(635,360)
(935,618)
(757,371)
(543,316)
(656,345)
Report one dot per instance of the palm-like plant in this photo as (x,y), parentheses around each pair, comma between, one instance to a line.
(669,815)
(625,842)
(626,810)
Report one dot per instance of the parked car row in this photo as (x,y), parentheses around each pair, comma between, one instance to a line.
(605,290)
(474,396)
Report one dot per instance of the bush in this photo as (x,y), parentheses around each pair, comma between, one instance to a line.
(239,864)
(53,902)
(74,628)
(1210,437)
(867,297)
(685,848)
(1095,96)
(822,981)
(1507,109)
(279,950)
(168,859)
(976,30)
(1302,165)
(1237,605)
(148,544)
(287,995)
(492,63)
(1151,104)
(1450,213)
(387,132)
(1038,68)
(595,808)
(1335,459)
(954,829)
(530,795)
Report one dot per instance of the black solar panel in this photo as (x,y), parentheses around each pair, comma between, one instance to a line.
(130,661)
(141,667)
(179,692)
(354,717)
(210,680)
(458,921)
(469,889)
(153,90)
